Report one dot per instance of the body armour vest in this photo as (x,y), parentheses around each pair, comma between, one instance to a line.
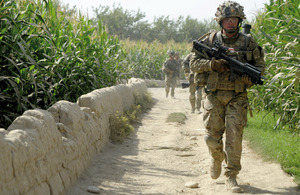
(238,49)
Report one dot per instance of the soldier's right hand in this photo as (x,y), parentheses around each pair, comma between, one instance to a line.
(219,65)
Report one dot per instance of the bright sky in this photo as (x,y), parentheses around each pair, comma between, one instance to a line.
(198,9)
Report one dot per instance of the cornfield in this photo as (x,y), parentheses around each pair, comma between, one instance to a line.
(145,60)
(277,30)
(48,54)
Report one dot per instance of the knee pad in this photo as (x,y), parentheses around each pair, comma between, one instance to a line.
(212,142)
(192,97)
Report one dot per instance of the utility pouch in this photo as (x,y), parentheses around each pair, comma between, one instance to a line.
(212,81)
(201,78)
(249,56)
(256,54)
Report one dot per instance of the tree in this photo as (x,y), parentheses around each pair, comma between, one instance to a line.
(131,25)
(192,29)
(123,23)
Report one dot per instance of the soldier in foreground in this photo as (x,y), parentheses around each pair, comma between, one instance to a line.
(195,90)
(171,70)
(226,102)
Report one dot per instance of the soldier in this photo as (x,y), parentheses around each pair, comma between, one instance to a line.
(226,102)
(179,60)
(171,71)
(195,99)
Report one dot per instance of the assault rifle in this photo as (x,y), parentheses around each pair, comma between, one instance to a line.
(237,68)
(185,85)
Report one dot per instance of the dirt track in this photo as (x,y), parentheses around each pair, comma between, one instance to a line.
(160,158)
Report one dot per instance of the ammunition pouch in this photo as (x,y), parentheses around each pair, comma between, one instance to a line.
(212,81)
(201,78)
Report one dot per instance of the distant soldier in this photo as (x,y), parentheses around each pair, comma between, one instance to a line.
(171,70)
(179,60)
(195,90)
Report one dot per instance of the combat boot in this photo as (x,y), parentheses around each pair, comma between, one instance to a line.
(192,102)
(172,93)
(193,110)
(216,168)
(216,151)
(199,111)
(232,185)
(198,108)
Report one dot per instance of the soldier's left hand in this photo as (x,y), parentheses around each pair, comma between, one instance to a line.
(247,80)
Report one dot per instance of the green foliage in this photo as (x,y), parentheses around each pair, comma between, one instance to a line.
(120,124)
(277,30)
(177,117)
(280,146)
(120,22)
(144,102)
(48,53)
(132,25)
(144,60)
(120,128)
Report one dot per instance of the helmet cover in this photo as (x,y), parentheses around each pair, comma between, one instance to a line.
(229,9)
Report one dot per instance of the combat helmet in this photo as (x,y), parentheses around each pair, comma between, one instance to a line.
(171,52)
(230,9)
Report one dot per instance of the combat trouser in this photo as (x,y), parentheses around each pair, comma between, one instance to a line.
(170,84)
(195,96)
(226,112)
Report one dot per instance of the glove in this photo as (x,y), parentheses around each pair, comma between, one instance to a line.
(219,65)
(247,80)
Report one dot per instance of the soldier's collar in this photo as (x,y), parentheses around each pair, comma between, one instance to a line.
(230,40)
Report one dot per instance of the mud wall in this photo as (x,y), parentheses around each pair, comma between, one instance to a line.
(45,151)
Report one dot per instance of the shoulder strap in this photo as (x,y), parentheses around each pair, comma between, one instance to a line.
(203,36)
(211,37)
(219,37)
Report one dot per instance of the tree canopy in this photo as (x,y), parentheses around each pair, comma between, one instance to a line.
(132,25)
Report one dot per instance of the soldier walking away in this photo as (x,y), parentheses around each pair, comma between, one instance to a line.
(171,70)
(195,89)
(226,102)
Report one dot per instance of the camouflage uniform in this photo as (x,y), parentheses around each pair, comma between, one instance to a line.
(171,71)
(225,106)
(195,90)
(179,60)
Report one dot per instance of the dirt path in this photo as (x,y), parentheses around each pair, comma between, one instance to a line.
(160,158)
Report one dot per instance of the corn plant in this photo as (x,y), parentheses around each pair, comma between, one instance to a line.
(277,30)
(49,53)
(145,60)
